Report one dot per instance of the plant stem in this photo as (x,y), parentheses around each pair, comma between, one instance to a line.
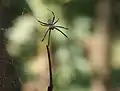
(50,87)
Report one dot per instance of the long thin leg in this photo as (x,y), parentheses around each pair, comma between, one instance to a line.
(56,21)
(45,34)
(49,37)
(61,32)
(53,15)
(61,27)
(42,23)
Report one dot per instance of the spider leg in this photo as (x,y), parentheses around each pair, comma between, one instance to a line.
(49,37)
(45,34)
(56,21)
(42,23)
(53,19)
(61,32)
(61,27)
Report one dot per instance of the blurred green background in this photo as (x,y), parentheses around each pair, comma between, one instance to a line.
(71,69)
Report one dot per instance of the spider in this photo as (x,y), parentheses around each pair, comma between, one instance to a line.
(51,26)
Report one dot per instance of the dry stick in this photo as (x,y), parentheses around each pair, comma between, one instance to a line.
(50,87)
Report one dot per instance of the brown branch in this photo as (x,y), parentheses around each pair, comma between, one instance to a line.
(50,87)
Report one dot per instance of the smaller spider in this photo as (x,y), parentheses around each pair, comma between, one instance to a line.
(51,26)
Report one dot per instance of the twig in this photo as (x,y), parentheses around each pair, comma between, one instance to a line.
(50,87)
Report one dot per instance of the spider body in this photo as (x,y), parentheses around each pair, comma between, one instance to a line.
(51,26)
(50,21)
